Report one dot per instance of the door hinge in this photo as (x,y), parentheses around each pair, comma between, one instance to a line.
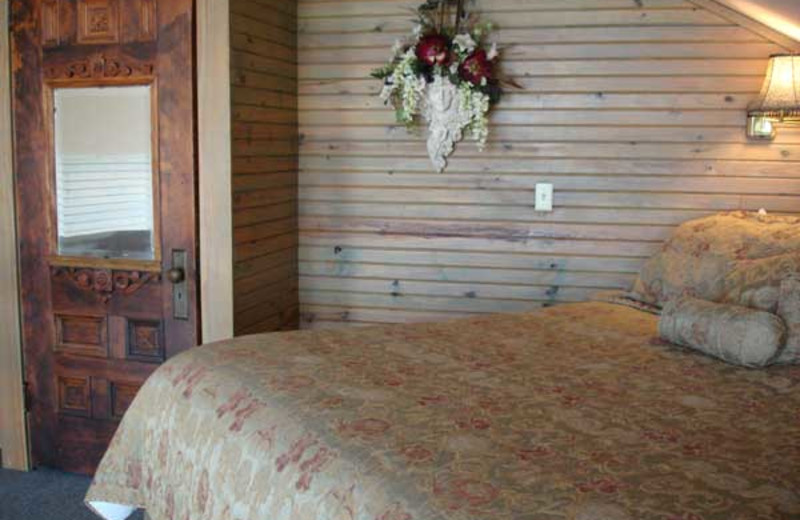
(27,397)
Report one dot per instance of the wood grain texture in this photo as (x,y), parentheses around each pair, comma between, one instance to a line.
(633,109)
(29,162)
(263,55)
(214,128)
(94,331)
(13,441)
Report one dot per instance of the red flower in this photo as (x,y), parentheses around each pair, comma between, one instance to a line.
(527,455)
(418,454)
(332,402)
(364,428)
(202,492)
(477,68)
(693,449)
(474,492)
(480,424)
(432,400)
(134,471)
(434,49)
(603,485)
(395,512)
(393,380)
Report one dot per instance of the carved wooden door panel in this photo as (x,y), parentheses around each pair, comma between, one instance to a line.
(104,154)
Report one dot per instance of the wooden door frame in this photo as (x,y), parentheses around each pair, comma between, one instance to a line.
(214,152)
(13,439)
(215,215)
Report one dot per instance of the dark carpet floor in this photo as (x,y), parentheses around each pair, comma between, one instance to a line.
(44,495)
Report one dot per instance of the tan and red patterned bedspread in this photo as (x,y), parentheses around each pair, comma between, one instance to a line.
(575,412)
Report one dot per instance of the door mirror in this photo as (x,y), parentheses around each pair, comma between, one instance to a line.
(104,172)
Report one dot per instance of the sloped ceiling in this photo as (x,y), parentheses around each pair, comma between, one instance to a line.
(780,15)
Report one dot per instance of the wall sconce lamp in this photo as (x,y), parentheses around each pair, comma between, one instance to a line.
(779,100)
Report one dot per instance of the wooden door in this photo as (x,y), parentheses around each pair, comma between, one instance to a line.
(104,153)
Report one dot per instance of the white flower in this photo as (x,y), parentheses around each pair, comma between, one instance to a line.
(397,49)
(413,90)
(388,88)
(477,104)
(417,31)
(404,89)
(493,52)
(465,42)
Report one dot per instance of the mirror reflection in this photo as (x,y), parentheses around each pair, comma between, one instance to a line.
(104,172)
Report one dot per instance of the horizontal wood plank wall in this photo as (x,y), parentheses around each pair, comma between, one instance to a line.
(634,109)
(265,157)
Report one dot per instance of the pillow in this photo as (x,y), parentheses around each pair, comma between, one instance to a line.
(719,258)
(735,334)
(757,283)
(789,310)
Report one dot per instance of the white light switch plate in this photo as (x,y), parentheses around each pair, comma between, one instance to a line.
(544,197)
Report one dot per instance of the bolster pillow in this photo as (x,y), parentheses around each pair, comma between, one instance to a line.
(789,310)
(735,334)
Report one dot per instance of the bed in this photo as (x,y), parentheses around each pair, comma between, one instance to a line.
(575,412)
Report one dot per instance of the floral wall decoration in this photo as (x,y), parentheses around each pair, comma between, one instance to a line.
(445,75)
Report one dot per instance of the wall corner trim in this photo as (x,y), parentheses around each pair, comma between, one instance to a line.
(13,441)
(214,141)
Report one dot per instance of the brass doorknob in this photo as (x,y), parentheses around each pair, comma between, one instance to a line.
(176,275)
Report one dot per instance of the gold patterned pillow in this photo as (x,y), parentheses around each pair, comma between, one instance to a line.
(757,283)
(732,257)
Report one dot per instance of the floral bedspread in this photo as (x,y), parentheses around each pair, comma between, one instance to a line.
(576,412)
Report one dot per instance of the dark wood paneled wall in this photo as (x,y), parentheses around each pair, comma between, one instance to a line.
(265,163)
(633,109)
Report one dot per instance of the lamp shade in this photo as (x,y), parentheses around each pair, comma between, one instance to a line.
(780,95)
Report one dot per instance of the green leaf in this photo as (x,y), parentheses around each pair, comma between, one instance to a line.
(383,72)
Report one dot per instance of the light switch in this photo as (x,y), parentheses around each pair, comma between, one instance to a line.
(544,197)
